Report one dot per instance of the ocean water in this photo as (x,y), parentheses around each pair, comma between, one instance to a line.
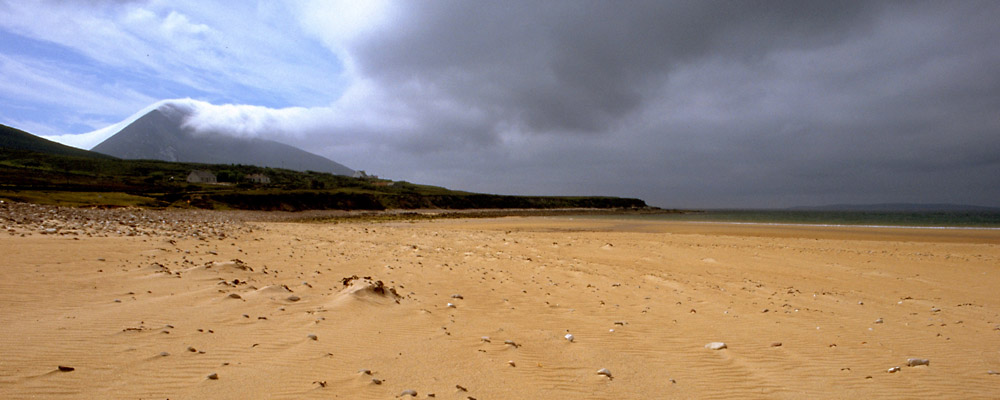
(931,219)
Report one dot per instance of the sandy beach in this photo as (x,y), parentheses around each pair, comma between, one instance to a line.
(157,305)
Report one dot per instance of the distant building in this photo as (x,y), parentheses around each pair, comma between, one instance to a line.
(200,176)
(259,178)
(360,174)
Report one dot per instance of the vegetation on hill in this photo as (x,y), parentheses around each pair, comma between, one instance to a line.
(35,171)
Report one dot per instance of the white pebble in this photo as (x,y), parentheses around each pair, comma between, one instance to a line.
(716,346)
(409,392)
(451,305)
(570,337)
(605,372)
(893,370)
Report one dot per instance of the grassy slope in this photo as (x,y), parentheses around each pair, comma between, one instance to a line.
(36,170)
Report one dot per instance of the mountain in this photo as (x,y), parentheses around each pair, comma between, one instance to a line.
(16,139)
(160,134)
(898,207)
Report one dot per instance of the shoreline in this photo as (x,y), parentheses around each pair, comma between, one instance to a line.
(203,305)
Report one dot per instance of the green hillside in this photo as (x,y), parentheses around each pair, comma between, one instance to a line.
(16,139)
(36,170)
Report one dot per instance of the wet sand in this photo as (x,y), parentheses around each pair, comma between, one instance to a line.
(152,313)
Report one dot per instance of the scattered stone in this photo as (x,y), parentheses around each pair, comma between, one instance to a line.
(457,296)
(620,323)
(893,370)
(377,381)
(775,344)
(164,354)
(605,372)
(213,376)
(879,321)
(365,371)
(913,362)
(511,363)
(570,337)
(462,388)
(64,368)
(192,349)
(235,296)
(321,383)
(485,339)
(312,336)
(408,392)
(715,346)
(511,343)
(992,372)
(294,298)
(451,305)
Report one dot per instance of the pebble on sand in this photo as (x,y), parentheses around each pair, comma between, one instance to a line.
(312,336)
(605,372)
(716,346)
(451,305)
(893,370)
(235,296)
(775,344)
(511,363)
(213,376)
(913,362)
(294,298)
(879,321)
(408,392)
(64,368)
(377,381)
(570,337)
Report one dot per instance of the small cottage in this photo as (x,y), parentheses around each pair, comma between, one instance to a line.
(200,176)
(259,178)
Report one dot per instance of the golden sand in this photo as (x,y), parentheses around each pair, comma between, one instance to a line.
(154,316)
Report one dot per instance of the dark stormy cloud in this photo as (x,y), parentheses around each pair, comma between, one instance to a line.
(683,104)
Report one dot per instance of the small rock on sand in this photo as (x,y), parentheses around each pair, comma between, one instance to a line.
(213,376)
(570,337)
(605,372)
(893,370)
(913,362)
(377,381)
(235,296)
(879,321)
(294,298)
(312,336)
(715,346)
(775,344)
(408,392)
(992,372)
(64,368)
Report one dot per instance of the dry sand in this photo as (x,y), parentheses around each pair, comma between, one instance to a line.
(155,313)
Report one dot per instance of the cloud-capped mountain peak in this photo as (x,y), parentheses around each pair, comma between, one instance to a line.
(162,133)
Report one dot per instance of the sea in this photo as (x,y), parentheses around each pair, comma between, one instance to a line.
(908,219)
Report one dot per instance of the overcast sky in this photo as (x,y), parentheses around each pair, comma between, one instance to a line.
(688,104)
